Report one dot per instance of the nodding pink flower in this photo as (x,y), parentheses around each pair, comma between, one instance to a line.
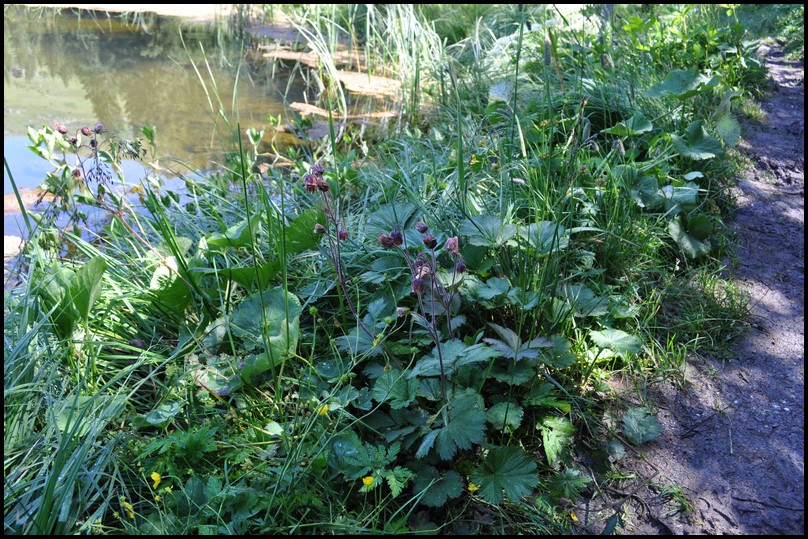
(319,229)
(72,140)
(99,128)
(430,241)
(60,127)
(322,185)
(386,241)
(310,182)
(93,143)
(317,169)
(452,245)
(460,267)
(421,227)
(77,172)
(397,237)
(342,235)
(86,131)
(418,286)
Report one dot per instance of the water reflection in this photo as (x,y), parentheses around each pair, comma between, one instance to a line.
(82,67)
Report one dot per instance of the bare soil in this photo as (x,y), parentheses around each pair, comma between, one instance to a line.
(731,459)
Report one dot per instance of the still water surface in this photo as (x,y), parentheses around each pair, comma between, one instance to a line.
(80,68)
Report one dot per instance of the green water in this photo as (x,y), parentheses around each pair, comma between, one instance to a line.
(81,67)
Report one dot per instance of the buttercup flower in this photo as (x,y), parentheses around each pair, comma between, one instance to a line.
(473,488)
(367,481)
(156,478)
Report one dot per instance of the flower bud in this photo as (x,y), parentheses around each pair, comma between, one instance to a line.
(77,172)
(430,241)
(342,235)
(421,227)
(386,241)
(310,182)
(397,237)
(317,169)
(322,185)
(452,245)
(60,127)
(319,229)
(72,140)
(86,131)
(460,267)
(418,286)
(99,128)
(402,312)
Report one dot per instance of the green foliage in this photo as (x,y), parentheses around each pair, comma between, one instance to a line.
(505,472)
(640,426)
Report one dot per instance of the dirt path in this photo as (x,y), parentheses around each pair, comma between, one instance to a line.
(734,442)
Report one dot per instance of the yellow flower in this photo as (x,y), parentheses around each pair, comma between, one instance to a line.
(367,480)
(473,488)
(156,478)
(322,410)
(157,498)
(573,517)
(128,509)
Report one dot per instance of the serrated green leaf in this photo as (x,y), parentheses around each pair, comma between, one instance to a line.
(640,426)
(696,143)
(512,373)
(618,341)
(636,125)
(487,230)
(455,354)
(394,388)
(505,416)
(435,489)
(300,235)
(729,129)
(506,471)
(545,237)
(348,456)
(681,84)
(692,245)
(546,394)
(583,300)
(511,345)
(465,428)
(240,234)
(493,288)
(568,484)
(557,436)
(85,285)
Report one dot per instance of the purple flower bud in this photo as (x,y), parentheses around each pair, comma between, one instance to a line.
(386,241)
(421,227)
(460,267)
(322,185)
(72,140)
(430,241)
(452,245)
(99,128)
(317,169)
(86,131)
(402,312)
(77,172)
(93,143)
(319,229)
(60,127)
(397,237)
(342,235)
(418,286)
(310,181)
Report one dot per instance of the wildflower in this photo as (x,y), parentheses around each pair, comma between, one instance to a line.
(322,410)
(310,181)
(322,185)
(156,478)
(86,131)
(421,227)
(319,229)
(342,235)
(402,312)
(386,241)
(128,509)
(430,241)
(452,245)
(397,237)
(573,517)
(460,267)
(77,173)
(60,127)
(93,144)
(157,498)
(72,140)
(418,286)
(317,169)
(473,488)
(99,128)
(367,481)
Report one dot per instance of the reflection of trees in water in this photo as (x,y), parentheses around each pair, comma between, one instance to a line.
(139,74)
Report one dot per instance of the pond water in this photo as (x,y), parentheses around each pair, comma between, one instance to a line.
(81,67)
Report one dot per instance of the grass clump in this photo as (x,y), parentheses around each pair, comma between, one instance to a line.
(414,340)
